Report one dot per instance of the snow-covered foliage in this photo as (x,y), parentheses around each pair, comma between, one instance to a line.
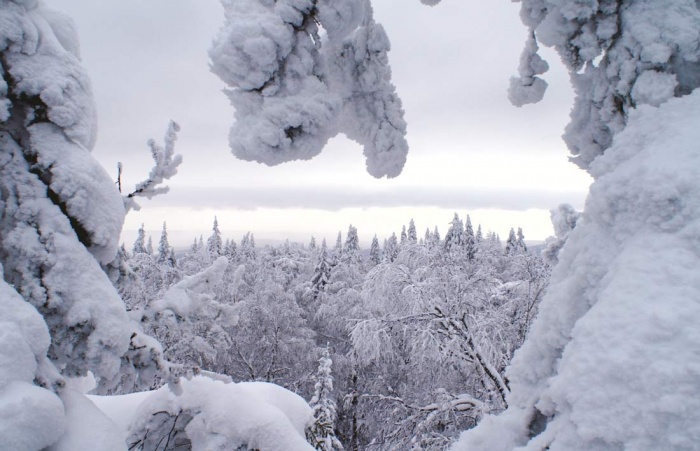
(322,432)
(564,219)
(189,322)
(24,405)
(611,360)
(378,322)
(61,215)
(621,54)
(528,87)
(165,167)
(206,414)
(435,308)
(302,71)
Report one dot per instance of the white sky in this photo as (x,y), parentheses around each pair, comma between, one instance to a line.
(471,151)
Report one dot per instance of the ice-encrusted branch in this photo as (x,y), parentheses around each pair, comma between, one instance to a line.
(166,164)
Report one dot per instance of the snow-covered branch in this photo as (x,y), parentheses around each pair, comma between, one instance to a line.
(166,164)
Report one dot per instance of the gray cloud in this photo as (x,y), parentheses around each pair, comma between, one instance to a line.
(338,198)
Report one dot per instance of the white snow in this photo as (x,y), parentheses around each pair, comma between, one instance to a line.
(224,416)
(24,342)
(613,357)
(87,428)
(293,89)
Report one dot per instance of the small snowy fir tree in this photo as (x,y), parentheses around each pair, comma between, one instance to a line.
(511,242)
(322,271)
(214,242)
(375,255)
(140,243)
(469,239)
(454,239)
(149,246)
(321,434)
(164,247)
(412,235)
(391,248)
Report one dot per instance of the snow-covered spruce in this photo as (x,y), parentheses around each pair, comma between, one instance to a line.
(322,434)
(61,215)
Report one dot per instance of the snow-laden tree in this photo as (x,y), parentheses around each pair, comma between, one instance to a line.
(469,239)
(189,322)
(215,245)
(375,255)
(60,213)
(271,341)
(454,238)
(608,361)
(412,235)
(391,248)
(511,242)
(248,251)
(322,434)
(302,71)
(351,249)
(139,246)
(462,320)
(322,271)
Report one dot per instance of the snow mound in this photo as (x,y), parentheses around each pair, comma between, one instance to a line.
(24,407)
(213,415)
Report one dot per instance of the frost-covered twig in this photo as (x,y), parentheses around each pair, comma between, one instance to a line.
(166,164)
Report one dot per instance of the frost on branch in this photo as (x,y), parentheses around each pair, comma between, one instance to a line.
(528,87)
(294,87)
(619,54)
(166,164)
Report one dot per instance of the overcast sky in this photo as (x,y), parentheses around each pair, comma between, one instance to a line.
(470,150)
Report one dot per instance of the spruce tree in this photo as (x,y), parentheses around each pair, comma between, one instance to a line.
(512,242)
(469,239)
(149,246)
(322,434)
(164,247)
(412,236)
(322,271)
(520,243)
(374,253)
(455,235)
(140,243)
(215,243)
(391,248)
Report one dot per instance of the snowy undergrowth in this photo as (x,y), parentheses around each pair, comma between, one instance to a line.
(612,359)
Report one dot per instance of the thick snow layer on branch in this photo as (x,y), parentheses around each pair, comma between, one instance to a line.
(219,416)
(619,54)
(190,294)
(293,90)
(612,359)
